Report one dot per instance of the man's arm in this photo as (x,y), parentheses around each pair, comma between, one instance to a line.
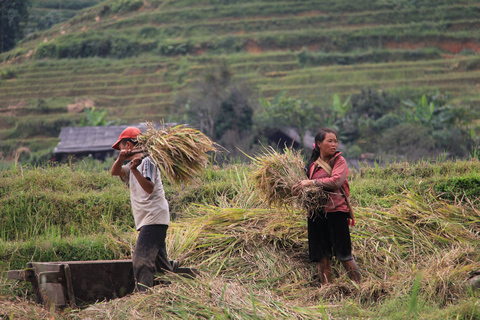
(144,182)
(117,169)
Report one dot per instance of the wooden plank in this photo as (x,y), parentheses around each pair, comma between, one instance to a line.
(16,275)
(69,286)
(49,277)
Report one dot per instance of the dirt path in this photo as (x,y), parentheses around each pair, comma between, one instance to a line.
(452,46)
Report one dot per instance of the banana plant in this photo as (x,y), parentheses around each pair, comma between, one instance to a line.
(93,118)
(336,112)
(420,112)
(338,107)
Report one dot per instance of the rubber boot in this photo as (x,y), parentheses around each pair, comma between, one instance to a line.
(324,271)
(352,270)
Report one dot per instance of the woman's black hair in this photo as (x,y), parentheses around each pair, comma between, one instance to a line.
(319,137)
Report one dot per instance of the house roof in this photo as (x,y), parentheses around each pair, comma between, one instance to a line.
(91,139)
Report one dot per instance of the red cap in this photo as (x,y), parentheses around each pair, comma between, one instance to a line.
(128,133)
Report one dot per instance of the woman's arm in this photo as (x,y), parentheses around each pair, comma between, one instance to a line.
(338,177)
(334,182)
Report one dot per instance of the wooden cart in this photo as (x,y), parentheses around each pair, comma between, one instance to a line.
(76,283)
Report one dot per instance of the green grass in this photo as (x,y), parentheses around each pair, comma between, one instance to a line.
(106,85)
(121,44)
(267,23)
(60,195)
(415,249)
(56,207)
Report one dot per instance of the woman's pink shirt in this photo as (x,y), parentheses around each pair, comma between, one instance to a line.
(333,183)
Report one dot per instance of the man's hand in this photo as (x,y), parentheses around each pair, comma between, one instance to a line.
(117,166)
(135,162)
(124,154)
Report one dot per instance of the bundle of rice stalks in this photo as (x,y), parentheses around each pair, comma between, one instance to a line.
(275,175)
(179,152)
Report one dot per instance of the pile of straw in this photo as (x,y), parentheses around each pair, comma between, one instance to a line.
(275,175)
(179,152)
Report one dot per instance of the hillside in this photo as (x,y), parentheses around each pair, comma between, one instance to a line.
(133,57)
(46,13)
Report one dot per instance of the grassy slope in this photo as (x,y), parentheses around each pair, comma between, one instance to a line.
(415,249)
(274,44)
(45,13)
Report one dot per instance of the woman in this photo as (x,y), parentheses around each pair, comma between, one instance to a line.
(328,230)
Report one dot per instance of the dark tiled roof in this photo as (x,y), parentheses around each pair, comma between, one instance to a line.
(90,139)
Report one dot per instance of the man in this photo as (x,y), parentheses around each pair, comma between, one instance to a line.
(149,206)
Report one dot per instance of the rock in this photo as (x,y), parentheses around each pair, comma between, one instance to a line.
(474,282)
(79,105)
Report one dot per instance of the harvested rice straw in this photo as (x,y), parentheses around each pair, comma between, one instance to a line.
(179,152)
(276,173)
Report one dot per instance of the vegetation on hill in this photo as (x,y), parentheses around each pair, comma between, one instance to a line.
(44,14)
(13,15)
(415,241)
(138,60)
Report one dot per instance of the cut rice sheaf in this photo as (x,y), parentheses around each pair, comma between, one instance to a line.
(275,175)
(180,152)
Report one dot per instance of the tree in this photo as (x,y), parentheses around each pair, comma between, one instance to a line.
(235,114)
(222,107)
(407,123)
(13,16)
(284,111)
(367,108)
(203,104)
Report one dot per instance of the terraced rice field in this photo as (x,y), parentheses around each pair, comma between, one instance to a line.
(349,45)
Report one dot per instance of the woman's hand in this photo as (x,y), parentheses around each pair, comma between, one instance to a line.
(297,187)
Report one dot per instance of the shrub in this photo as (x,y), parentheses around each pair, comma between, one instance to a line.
(307,58)
(126,5)
(473,65)
(45,50)
(7,74)
(69,4)
(148,32)
(414,123)
(409,140)
(457,187)
(12,54)
(173,49)
(91,45)
(221,107)
(32,127)
(387,121)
